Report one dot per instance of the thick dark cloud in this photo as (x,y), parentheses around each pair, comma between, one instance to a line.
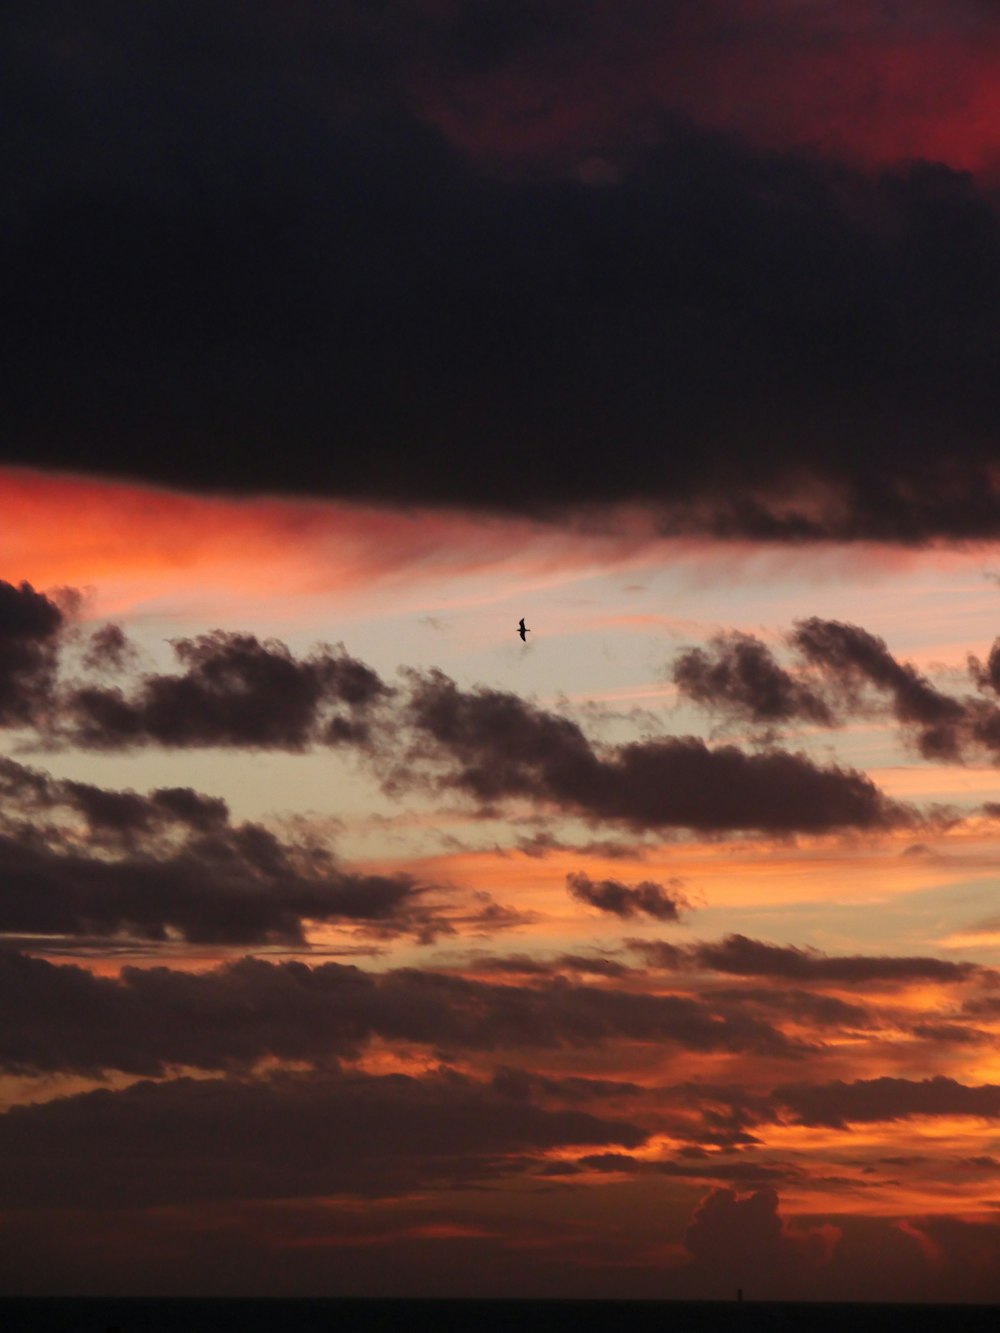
(987,674)
(292,1136)
(173,864)
(243,254)
(111,818)
(494,746)
(628,900)
(30,625)
(739,676)
(63,1018)
(234,690)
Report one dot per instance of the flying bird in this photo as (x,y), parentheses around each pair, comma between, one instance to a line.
(522,630)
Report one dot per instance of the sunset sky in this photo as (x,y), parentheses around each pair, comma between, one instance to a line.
(348,944)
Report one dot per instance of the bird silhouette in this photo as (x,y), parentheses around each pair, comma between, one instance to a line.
(523,630)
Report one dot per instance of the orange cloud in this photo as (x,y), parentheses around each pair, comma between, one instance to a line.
(135,544)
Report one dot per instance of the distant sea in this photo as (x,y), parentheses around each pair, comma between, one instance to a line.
(43,1315)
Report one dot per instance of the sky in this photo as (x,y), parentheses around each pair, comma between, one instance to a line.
(350,945)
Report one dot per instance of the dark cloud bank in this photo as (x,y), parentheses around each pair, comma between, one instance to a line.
(238,256)
(151,1020)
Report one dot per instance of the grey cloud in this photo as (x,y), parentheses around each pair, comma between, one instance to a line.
(851,672)
(109,650)
(747,957)
(822,1011)
(851,656)
(743,1173)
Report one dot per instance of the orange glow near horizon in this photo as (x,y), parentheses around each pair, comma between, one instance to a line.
(609,611)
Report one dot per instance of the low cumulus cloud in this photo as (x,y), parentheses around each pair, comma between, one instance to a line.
(232,689)
(849,657)
(740,956)
(739,676)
